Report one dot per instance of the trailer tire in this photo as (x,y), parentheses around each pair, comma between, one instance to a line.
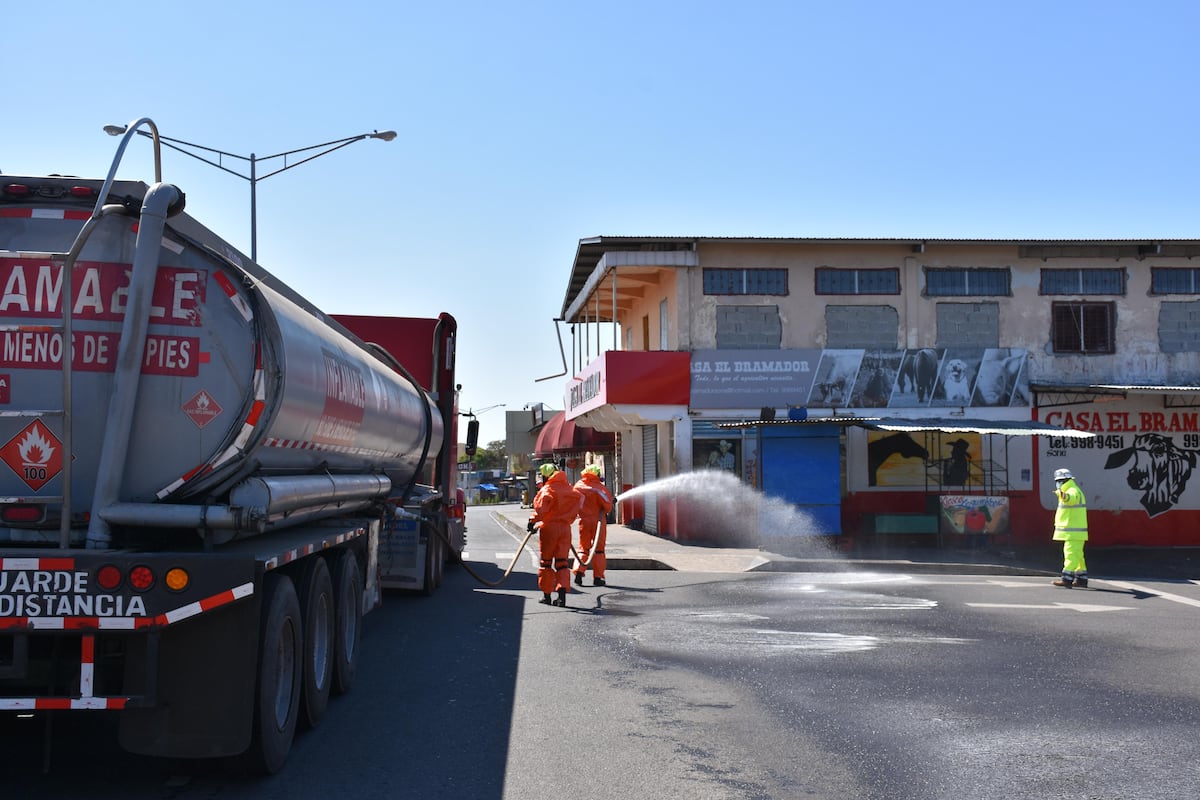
(440,565)
(348,597)
(433,564)
(316,600)
(280,666)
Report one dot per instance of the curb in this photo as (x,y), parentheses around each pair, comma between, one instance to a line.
(775,563)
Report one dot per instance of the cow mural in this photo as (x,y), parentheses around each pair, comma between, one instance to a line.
(1160,470)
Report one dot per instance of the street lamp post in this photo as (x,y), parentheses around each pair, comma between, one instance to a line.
(254,160)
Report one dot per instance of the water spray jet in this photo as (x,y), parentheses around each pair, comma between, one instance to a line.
(715,508)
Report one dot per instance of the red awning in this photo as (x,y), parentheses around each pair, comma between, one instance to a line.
(560,435)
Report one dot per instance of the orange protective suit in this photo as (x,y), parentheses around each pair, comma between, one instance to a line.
(555,508)
(593,526)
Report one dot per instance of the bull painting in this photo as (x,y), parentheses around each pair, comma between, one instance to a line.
(1160,470)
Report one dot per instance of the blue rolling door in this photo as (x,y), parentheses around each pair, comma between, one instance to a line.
(801,464)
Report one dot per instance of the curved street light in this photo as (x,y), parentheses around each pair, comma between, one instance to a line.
(473,413)
(254,161)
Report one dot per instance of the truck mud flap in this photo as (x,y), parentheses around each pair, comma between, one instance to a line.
(204,684)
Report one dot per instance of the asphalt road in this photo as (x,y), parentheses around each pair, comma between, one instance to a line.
(669,684)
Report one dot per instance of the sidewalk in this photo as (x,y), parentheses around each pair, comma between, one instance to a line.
(630,549)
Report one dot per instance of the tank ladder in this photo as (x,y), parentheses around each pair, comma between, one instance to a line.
(65,262)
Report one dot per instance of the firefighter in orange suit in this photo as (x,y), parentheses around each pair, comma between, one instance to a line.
(1071,528)
(555,508)
(593,524)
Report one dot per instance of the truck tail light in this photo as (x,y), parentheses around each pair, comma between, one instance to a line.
(108,578)
(141,578)
(22,512)
(177,579)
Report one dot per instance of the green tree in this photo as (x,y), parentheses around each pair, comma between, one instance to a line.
(492,456)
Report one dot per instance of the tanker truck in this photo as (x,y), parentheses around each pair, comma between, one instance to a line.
(206,480)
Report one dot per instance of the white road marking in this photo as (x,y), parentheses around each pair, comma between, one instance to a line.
(1137,587)
(1072,606)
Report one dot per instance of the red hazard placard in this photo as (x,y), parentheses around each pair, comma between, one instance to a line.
(35,454)
(202,408)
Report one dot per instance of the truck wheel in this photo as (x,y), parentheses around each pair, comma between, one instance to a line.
(277,701)
(316,599)
(433,557)
(347,592)
(439,566)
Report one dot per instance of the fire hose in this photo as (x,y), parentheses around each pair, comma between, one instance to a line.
(530,531)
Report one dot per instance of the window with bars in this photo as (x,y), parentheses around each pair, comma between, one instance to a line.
(1083,328)
(1083,281)
(833,280)
(746,281)
(1174,280)
(963,282)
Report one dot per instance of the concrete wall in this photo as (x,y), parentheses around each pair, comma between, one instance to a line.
(1158,335)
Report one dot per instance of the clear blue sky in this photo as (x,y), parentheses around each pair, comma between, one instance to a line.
(526,126)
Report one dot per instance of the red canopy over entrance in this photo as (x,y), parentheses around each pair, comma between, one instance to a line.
(560,435)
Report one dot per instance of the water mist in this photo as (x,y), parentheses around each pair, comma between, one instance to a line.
(716,508)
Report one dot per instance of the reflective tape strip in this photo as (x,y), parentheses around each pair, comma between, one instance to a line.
(87,666)
(207,604)
(47,623)
(55,563)
(294,444)
(231,292)
(62,703)
(291,555)
(187,476)
(45,213)
(130,623)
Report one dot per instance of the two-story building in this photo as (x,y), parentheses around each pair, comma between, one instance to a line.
(909,386)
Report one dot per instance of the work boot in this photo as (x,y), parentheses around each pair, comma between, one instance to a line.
(579,579)
(562,598)
(597,581)
(545,599)
(1064,583)
(1081,583)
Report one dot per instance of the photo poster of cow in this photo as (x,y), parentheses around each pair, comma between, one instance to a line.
(1143,456)
(928,459)
(960,377)
(876,378)
(973,515)
(859,378)
(834,382)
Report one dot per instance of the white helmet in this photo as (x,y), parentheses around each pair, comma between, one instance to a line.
(1063,475)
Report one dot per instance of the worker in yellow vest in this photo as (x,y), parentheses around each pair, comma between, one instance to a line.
(1070,528)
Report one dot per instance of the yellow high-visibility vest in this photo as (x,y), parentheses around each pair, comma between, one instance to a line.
(1070,520)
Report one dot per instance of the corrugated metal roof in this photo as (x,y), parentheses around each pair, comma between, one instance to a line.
(1113,388)
(1006,427)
